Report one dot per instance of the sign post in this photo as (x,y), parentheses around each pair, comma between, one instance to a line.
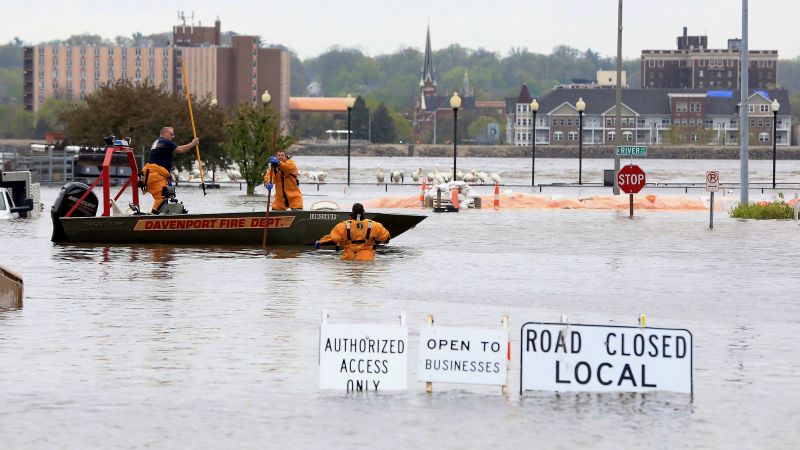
(631,179)
(712,185)
(598,358)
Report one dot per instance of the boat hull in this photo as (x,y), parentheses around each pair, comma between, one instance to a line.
(238,228)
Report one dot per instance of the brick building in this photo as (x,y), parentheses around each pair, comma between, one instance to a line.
(694,66)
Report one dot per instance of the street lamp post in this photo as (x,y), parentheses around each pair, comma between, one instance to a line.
(534,108)
(266,98)
(580,106)
(775,107)
(455,103)
(350,103)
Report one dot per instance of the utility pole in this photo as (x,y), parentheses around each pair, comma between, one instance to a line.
(618,108)
(744,131)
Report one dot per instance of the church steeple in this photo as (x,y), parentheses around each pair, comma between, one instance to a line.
(427,81)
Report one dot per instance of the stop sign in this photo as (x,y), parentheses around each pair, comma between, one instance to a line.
(631,179)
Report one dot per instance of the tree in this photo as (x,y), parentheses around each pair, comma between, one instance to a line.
(252,138)
(383,130)
(139,111)
(359,120)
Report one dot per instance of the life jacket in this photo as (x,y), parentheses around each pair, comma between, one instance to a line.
(366,240)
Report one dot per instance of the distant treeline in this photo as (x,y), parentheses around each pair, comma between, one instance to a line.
(393,79)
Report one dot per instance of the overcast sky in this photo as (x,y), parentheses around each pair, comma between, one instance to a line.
(384,26)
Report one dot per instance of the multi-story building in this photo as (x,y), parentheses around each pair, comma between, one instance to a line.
(694,66)
(232,75)
(649,117)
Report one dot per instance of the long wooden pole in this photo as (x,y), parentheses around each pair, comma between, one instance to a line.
(266,214)
(194,130)
(269,191)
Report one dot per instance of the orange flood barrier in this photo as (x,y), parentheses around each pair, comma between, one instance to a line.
(530,201)
(496,200)
(422,194)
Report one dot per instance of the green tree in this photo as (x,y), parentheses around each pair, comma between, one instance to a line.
(359,119)
(139,111)
(383,130)
(311,125)
(252,137)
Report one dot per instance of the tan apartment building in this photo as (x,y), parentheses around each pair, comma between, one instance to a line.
(232,75)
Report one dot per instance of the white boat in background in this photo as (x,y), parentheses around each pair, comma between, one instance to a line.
(19,195)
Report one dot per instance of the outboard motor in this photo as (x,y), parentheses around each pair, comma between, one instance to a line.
(67,198)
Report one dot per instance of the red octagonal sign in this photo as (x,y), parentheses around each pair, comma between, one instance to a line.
(631,179)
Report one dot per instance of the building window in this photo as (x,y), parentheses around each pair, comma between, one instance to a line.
(694,107)
(685,121)
(761,64)
(651,63)
(763,137)
(694,137)
(681,106)
(609,122)
(770,63)
(767,123)
(660,63)
(751,108)
(760,123)
(628,136)
(611,136)
(752,122)
(558,136)
(700,73)
(573,135)
(701,63)
(764,108)
(709,123)
(691,122)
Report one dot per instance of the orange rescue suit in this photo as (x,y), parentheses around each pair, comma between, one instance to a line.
(287,190)
(157,177)
(357,238)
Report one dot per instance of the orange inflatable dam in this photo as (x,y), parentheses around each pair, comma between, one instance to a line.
(530,201)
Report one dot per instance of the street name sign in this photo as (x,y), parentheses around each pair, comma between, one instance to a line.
(363,357)
(631,150)
(598,358)
(463,355)
(712,181)
(631,179)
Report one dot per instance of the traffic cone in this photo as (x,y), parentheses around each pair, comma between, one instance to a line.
(496,195)
(454,197)
(422,194)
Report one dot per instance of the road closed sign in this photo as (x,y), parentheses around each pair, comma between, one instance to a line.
(363,357)
(597,358)
(463,355)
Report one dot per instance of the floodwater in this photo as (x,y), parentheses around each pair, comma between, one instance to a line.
(193,347)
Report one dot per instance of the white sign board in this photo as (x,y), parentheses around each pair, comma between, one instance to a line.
(368,357)
(597,358)
(712,181)
(463,355)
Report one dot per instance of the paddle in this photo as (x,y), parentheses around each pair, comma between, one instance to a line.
(194,130)
(269,201)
